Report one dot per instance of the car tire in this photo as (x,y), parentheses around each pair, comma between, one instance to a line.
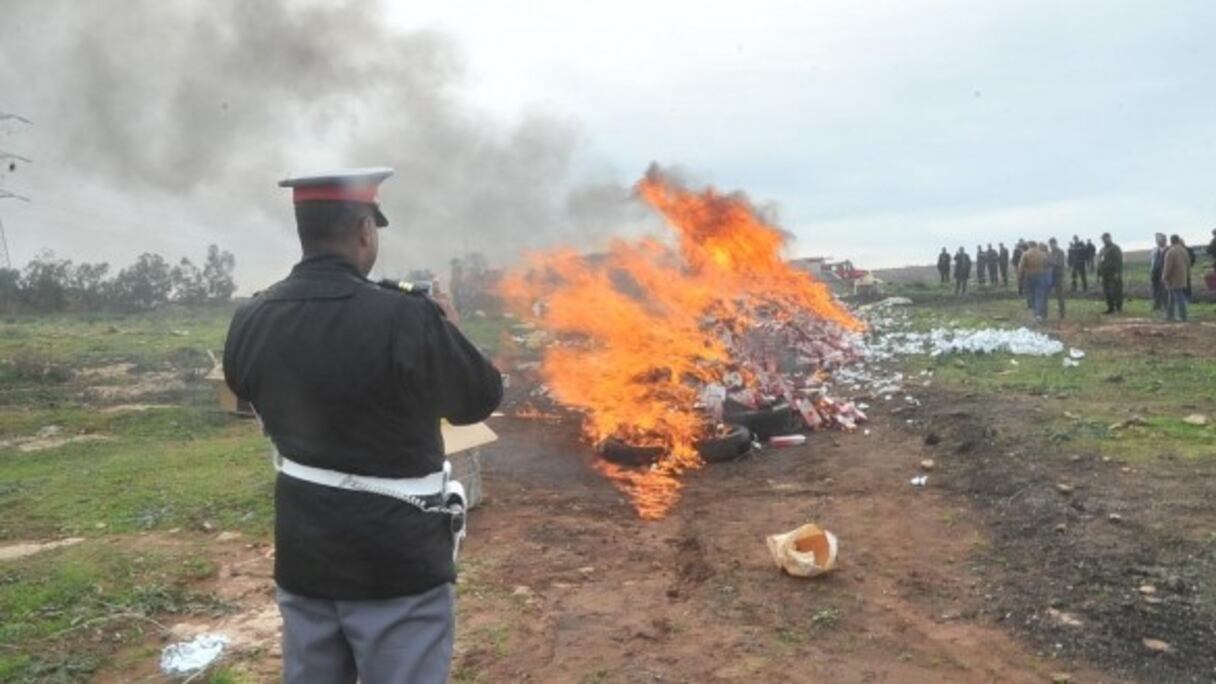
(736,443)
(620,452)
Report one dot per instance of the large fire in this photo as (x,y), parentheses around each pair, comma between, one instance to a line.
(640,331)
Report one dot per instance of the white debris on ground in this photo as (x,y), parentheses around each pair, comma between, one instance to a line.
(939,341)
(889,338)
(188,657)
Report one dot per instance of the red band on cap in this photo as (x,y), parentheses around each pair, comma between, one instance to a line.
(336,193)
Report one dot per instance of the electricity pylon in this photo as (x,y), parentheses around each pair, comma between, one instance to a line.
(9,160)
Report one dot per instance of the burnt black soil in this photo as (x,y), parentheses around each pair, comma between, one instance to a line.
(1083,551)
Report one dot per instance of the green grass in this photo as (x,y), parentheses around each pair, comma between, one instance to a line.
(63,612)
(1110,385)
(1012,313)
(485,332)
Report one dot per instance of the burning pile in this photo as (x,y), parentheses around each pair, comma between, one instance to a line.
(653,341)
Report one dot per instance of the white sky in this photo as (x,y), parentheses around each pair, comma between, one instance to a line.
(881,130)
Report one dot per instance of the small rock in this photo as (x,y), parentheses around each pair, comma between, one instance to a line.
(1061,528)
(227,536)
(1066,619)
(587,570)
(1134,421)
(1064,488)
(1196,419)
(1157,645)
(1115,518)
(928,464)
(1154,600)
(1061,678)
(1125,469)
(100,526)
(1147,589)
(49,431)
(522,590)
(208,526)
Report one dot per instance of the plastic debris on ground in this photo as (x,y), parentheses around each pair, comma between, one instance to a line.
(804,552)
(787,440)
(189,657)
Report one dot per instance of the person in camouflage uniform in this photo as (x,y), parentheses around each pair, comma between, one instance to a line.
(1110,272)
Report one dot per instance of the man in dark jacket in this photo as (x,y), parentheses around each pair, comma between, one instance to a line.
(1091,254)
(981,266)
(962,271)
(1078,257)
(1110,272)
(993,261)
(350,381)
(943,266)
(1003,260)
(1156,266)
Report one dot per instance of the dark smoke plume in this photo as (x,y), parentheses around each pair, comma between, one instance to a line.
(214,100)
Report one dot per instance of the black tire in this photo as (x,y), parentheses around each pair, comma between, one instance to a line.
(616,451)
(736,443)
(763,423)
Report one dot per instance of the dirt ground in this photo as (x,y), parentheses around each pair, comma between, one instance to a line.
(991,573)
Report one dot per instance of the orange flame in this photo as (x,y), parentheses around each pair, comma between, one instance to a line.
(643,327)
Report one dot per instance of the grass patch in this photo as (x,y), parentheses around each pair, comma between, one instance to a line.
(485,332)
(1110,385)
(158,474)
(63,612)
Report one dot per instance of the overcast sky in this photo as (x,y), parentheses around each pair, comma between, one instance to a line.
(881,131)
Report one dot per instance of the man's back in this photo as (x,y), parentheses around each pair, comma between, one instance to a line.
(351,377)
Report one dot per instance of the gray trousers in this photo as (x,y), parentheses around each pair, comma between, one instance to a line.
(403,640)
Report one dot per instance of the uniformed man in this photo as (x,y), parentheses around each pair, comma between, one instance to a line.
(943,266)
(350,381)
(962,271)
(1003,257)
(1018,250)
(1090,254)
(1058,261)
(1110,272)
(992,259)
(1077,260)
(981,266)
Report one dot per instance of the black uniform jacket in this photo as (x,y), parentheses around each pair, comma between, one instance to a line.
(353,377)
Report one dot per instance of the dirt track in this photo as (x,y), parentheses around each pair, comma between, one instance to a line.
(566,585)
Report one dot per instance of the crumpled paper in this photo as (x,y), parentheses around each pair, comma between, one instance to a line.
(188,657)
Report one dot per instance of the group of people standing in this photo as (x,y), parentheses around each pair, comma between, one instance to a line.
(1040,268)
(990,265)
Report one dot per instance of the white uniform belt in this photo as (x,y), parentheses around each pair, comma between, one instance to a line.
(435,484)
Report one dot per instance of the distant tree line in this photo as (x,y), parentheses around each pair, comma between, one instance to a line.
(49,284)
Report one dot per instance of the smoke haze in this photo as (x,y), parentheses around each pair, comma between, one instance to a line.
(188,112)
